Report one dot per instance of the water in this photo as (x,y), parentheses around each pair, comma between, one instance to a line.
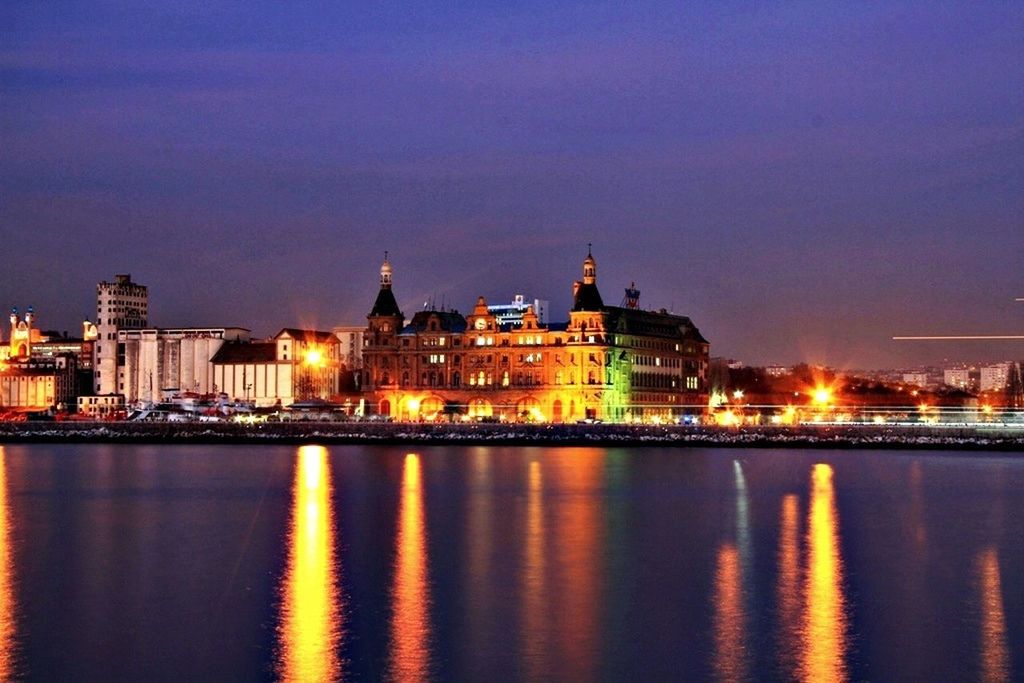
(248,563)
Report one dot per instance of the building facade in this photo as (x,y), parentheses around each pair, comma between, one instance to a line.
(994,377)
(296,365)
(40,371)
(152,361)
(605,363)
(351,339)
(120,305)
(512,313)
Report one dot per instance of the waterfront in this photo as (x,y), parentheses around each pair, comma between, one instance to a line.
(129,562)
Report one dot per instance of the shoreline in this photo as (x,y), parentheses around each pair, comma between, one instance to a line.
(998,438)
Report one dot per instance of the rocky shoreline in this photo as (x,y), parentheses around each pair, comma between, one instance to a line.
(996,437)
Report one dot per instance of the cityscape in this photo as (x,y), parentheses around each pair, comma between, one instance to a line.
(532,341)
(499,362)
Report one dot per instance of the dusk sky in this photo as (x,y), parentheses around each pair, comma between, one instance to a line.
(804,180)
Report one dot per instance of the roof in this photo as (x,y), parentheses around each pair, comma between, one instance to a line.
(385,304)
(587,298)
(308,335)
(448,321)
(245,352)
(653,324)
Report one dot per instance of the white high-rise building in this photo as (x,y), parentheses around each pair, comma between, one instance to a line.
(957,377)
(351,338)
(120,305)
(994,377)
(918,379)
(513,313)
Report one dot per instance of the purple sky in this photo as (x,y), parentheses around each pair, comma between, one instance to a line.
(803,179)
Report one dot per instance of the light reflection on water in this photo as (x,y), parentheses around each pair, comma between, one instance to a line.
(310,628)
(410,592)
(729,627)
(7,596)
(825,627)
(504,564)
(995,656)
(789,597)
(535,646)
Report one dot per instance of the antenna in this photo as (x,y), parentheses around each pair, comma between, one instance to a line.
(632,297)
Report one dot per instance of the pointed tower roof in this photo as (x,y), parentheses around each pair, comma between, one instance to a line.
(586,297)
(385,305)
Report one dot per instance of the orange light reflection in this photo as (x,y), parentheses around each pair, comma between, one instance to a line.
(789,586)
(729,651)
(310,629)
(410,625)
(825,626)
(995,656)
(533,578)
(7,600)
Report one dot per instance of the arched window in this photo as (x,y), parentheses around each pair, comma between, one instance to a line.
(405,379)
(456,379)
(433,378)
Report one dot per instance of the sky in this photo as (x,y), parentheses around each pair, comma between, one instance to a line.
(803,179)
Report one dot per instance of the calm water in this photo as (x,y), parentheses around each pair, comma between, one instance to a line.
(249,563)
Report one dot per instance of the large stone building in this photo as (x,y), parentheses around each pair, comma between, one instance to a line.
(120,305)
(606,363)
(32,378)
(296,365)
(152,361)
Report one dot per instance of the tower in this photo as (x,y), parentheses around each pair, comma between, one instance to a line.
(585,294)
(120,305)
(21,334)
(380,359)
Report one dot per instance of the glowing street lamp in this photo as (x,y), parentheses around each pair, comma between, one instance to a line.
(314,357)
(822,396)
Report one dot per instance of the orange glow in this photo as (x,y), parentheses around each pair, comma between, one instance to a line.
(314,357)
(824,632)
(789,586)
(533,578)
(477,574)
(822,396)
(729,651)
(7,601)
(310,628)
(579,524)
(995,656)
(410,593)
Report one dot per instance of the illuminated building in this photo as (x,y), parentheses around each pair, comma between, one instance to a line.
(512,314)
(120,305)
(607,362)
(33,375)
(152,361)
(957,377)
(351,338)
(994,377)
(296,365)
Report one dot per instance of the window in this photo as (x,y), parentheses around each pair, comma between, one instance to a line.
(558,377)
